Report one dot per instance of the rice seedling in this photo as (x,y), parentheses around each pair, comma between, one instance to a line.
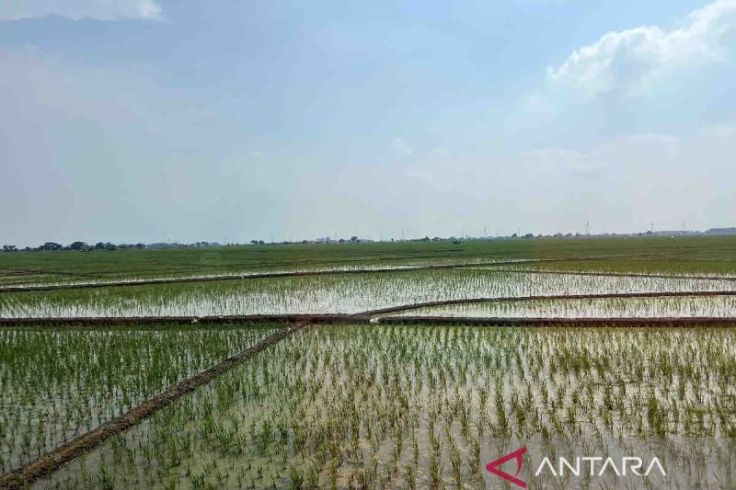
(328,294)
(56,383)
(663,307)
(411,406)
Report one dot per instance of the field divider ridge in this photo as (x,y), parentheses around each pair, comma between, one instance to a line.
(112,321)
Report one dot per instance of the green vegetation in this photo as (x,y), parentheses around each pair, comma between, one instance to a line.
(665,307)
(392,407)
(371,406)
(709,254)
(325,293)
(56,383)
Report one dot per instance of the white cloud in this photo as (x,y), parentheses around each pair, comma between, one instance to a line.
(402,147)
(627,60)
(80,9)
(258,156)
(620,184)
(555,159)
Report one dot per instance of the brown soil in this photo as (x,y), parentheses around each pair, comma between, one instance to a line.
(172,320)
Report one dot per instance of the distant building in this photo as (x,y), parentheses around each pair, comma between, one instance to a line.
(721,231)
(672,232)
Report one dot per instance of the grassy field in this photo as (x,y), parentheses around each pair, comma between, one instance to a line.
(682,254)
(358,404)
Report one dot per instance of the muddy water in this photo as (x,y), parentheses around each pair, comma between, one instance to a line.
(326,294)
(666,307)
(58,383)
(386,406)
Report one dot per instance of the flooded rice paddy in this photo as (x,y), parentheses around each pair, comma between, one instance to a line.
(56,383)
(372,405)
(326,293)
(664,307)
(414,407)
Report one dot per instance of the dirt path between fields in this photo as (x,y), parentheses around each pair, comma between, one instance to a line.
(153,321)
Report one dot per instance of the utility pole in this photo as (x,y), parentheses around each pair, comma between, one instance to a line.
(587,227)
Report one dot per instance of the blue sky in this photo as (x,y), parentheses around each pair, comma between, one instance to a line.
(144,120)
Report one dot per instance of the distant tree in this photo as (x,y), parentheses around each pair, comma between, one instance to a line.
(105,246)
(354,239)
(342,240)
(50,246)
(514,236)
(79,246)
(529,235)
(10,248)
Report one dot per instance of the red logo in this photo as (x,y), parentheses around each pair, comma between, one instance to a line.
(518,455)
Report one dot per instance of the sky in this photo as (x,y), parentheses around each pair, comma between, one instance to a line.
(149,120)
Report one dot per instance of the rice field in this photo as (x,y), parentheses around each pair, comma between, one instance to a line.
(713,255)
(664,307)
(336,399)
(327,293)
(56,383)
(413,406)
